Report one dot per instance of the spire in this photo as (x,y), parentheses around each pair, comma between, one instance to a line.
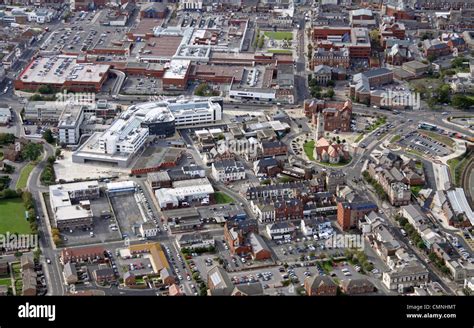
(319,133)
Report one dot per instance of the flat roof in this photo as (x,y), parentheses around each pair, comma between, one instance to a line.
(161,46)
(59,69)
(177,69)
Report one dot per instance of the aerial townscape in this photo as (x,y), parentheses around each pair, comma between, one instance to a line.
(236,147)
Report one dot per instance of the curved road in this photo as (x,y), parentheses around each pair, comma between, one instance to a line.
(467,180)
(52,271)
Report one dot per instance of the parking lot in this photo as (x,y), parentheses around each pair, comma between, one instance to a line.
(83,32)
(424,144)
(101,230)
(127,213)
(142,85)
(138,264)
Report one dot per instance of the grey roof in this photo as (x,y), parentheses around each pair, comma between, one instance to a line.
(194,237)
(229,166)
(281,225)
(318,281)
(377,71)
(322,69)
(257,242)
(70,269)
(250,289)
(357,283)
(220,280)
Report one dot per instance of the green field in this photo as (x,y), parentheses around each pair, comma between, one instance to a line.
(414,152)
(280,51)
(416,190)
(279,35)
(5,281)
(359,137)
(309,149)
(12,217)
(222,198)
(24,174)
(395,138)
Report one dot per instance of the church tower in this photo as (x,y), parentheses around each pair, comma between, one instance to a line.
(319,132)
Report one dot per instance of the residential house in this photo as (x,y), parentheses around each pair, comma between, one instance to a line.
(280,230)
(228,170)
(357,286)
(70,273)
(320,286)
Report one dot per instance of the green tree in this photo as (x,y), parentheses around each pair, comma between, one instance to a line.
(45,89)
(310,51)
(461,101)
(431,58)
(48,136)
(7,138)
(330,93)
(31,151)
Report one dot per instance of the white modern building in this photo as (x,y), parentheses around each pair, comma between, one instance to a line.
(69,123)
(127,135)
(184,193)
(196,240)
(148,230)
(68,210)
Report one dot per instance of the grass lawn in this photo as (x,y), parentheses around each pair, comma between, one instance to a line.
(19,287)
(414,152)
(359,137)
(12,217)
(419,165)
(438,137)
(285,179)
(426,83)
(16,268)
(280,51)
(416,190)
(327,266)
(453,163)
(5,281)
(380,121)
(395,138)
(343,163)
(309,149)
(222,198)
(24,174)
(279,35)
(456,167)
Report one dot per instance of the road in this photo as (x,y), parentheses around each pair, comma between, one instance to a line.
(53,271)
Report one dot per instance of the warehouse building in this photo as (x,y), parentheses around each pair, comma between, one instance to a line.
(62,72)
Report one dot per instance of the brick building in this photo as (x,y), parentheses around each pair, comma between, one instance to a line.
(336,115)
(349,214)
(320,286)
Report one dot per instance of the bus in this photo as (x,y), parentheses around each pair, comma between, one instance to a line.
(427,126)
